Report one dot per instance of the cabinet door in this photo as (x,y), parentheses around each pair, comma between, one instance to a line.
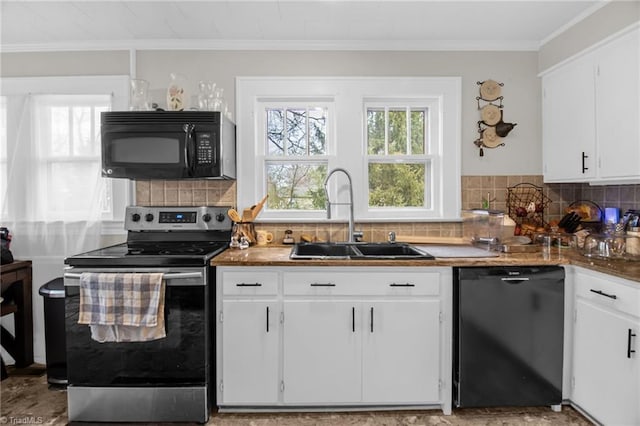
(606,376)
(618,111)
(322,352)
(568,120)
(250,343)
(401,347)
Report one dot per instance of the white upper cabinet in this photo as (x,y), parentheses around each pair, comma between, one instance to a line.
(591,115)
(568,119)
(618,96)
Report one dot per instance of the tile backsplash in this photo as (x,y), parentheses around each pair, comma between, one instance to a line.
(474,190)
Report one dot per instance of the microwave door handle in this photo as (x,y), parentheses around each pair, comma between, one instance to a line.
(215,155)
(188,150)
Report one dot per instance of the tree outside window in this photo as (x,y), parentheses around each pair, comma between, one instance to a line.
(397,167)
(295,165)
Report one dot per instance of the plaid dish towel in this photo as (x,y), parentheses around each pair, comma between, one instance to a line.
(122,307)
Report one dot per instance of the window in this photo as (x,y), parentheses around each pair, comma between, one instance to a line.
(3,146)
(398,138)
(296,155)
(67,139)
(50,149)
(398,165)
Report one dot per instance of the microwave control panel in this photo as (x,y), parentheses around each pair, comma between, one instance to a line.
(204,149)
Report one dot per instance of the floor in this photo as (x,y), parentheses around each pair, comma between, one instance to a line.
(26,398)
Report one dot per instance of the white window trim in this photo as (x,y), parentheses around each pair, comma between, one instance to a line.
(351,94)
(117,85)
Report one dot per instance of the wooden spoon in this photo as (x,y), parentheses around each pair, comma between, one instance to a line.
(234,215)
(258,207)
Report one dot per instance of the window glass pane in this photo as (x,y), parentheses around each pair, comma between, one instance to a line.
(275,132)
(66,128)
(68,184)
(396,185)
(375,131)
(417,131)
(82,125)
(3,150)
(3,128)
(397,131)
(60,134)
(296,132)
(317,131)
(296,186)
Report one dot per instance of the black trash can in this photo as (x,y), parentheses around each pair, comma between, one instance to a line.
(54,331)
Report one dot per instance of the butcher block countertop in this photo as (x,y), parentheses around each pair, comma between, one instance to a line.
(279,256)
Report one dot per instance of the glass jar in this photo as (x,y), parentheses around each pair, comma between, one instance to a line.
(206,95)
(139,95)
(177,97)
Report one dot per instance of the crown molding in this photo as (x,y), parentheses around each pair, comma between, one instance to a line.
(275,45)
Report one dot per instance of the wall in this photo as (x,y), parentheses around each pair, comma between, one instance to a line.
(608,20)
(517,70)
(39,64)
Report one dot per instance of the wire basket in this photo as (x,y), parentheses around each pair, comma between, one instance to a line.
(527,204)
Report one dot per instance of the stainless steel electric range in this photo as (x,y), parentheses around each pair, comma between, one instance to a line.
(164,380)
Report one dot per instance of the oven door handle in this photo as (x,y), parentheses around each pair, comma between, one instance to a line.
(166,276)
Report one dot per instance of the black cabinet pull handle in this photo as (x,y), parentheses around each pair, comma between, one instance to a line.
(629,350)
(322,285)
(353,319)
(372,319)
(402,285)
(584,157)
(267,319)
(601,293)
(249,285)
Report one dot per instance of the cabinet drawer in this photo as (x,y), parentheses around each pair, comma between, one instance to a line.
(359,283)
(608,293)
(250,283)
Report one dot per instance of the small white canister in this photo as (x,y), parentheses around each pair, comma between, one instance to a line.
(633,241)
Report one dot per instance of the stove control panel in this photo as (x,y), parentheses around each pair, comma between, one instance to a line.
(140,218)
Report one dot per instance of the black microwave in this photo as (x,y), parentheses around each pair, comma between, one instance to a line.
(168,145)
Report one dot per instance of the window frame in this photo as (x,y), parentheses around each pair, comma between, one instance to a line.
(16,90)
(349,96)
(263,158)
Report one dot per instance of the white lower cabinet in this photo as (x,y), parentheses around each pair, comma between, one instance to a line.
(321,352)
(250,352)
(400,362)
(338,337)
(248,338)
(606,360)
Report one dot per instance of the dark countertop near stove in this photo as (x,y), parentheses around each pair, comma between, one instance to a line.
(279,256)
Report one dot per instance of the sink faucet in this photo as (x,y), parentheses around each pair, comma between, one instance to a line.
(353,235)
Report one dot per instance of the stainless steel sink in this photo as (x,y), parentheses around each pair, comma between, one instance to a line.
(357,251)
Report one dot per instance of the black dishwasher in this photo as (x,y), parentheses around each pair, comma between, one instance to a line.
(508,336)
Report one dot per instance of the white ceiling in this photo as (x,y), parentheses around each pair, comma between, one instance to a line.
(287,24)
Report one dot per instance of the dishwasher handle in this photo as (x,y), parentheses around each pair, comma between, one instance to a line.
(514,280)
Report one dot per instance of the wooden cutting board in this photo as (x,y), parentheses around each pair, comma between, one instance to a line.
(431,240)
